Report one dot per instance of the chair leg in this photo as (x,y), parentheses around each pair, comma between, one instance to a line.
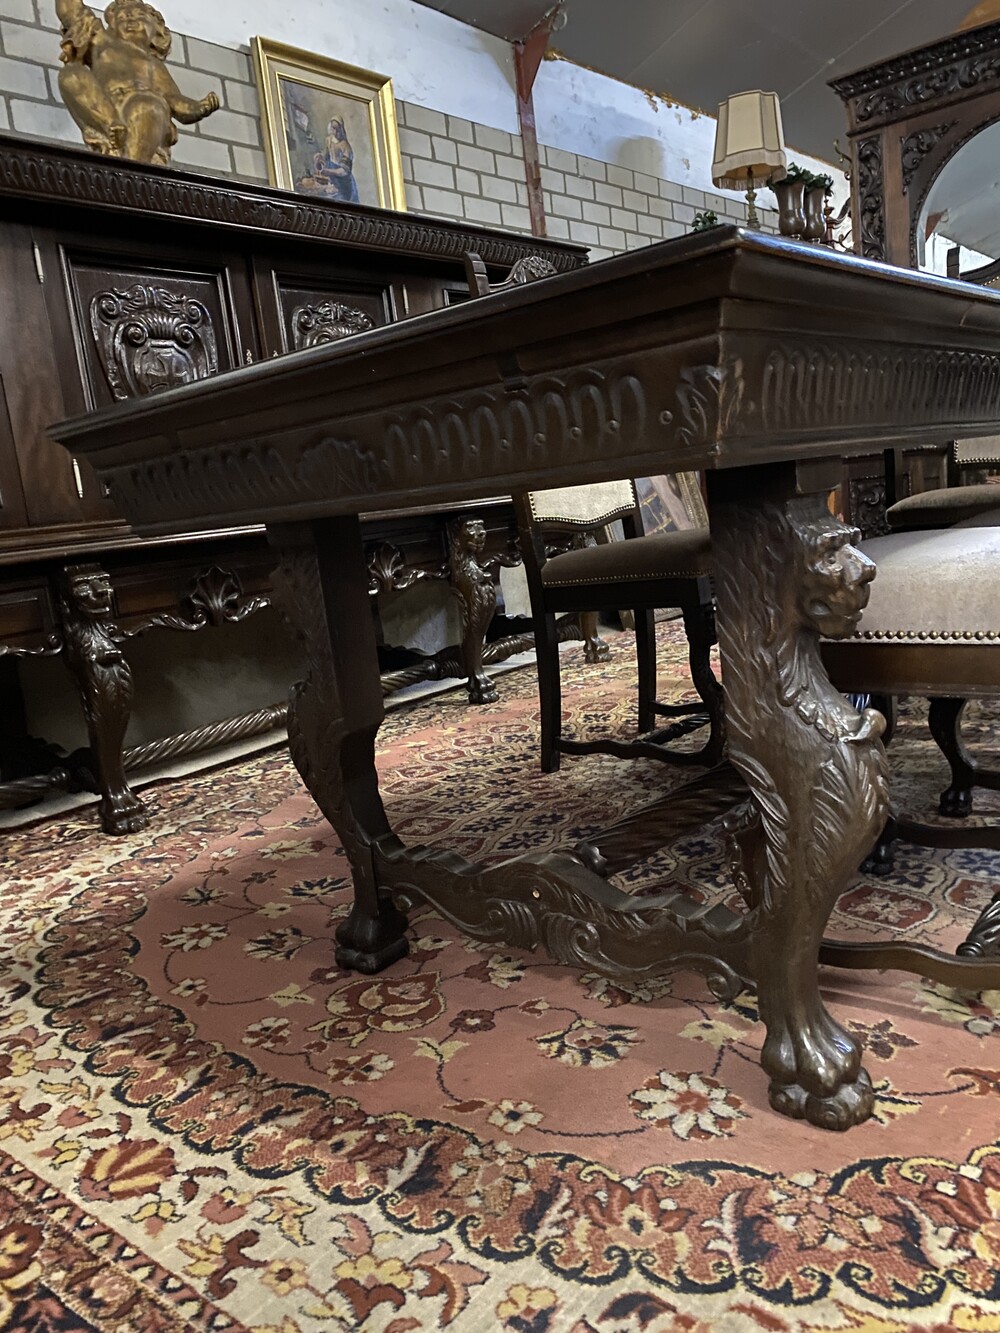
(549,691)
(699,625)
(882,856)
(645,652)
(944,720)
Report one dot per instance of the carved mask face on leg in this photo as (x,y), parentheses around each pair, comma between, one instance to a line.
(834,589)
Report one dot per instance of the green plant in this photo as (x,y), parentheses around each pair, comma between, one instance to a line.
(702,221)
(810,179)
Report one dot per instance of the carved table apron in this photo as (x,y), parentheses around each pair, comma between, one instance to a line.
(754,358)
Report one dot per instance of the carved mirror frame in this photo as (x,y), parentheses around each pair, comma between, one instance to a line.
(907,118)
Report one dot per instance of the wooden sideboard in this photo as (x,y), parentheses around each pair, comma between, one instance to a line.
(120,280)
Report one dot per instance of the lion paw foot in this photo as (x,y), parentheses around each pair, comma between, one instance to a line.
(482,690)
(123,813)
(851,1104)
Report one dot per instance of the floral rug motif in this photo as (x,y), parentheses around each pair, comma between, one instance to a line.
(204,1125)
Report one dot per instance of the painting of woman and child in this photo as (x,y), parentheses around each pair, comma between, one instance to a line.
(329,128)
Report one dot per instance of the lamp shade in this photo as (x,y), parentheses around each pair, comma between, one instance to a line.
(748,139)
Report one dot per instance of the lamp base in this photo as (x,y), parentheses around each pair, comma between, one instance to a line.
(753,221)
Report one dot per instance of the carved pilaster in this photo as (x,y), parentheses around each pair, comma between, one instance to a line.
(871,199)
(867,500)
(104,680)
(785,574)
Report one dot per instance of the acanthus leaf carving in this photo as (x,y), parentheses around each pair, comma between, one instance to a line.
(917,145)
(389,572)
(709,399)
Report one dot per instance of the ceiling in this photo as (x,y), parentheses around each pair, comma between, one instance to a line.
(699,51)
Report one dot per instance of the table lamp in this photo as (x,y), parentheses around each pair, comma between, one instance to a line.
(749,145)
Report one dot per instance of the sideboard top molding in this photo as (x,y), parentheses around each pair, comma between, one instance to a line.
(959,65)
(35,169)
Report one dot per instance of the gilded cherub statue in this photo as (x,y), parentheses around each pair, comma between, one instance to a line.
(116,84)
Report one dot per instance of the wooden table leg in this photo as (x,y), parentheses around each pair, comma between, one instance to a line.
(321,584)
(816,769)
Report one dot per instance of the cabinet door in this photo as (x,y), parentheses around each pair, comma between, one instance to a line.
(309,304)
(132,317)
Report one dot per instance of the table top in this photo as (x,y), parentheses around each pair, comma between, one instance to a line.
(721,349)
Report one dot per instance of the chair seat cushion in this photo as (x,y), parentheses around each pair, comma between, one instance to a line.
(941,508)
(637,560)
(941,586)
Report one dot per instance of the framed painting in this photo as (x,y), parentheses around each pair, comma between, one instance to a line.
(329,129)
(671,503)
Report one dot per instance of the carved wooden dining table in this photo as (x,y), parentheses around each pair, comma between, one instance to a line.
(761,361)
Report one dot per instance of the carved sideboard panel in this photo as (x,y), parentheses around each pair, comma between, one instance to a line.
(315,312)
(327,322)
(143,329)
(150,339)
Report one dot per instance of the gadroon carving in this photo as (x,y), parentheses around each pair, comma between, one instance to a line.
(328,322)
(150,339)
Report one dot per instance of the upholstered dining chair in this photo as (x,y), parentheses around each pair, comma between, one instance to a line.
(932,628)
(642,573)
(945,505)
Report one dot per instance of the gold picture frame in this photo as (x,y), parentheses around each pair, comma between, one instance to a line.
(329,129)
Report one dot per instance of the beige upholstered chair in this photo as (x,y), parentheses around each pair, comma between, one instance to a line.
(639,573)
(932,628)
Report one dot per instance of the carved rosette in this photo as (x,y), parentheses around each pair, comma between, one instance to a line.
(328,322)
(916,146)
(150,339)
(871,199)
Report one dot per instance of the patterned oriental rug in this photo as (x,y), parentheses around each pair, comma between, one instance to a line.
(205,1126)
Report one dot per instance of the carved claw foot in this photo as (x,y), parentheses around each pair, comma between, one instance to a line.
(481,690)
(816,1074)
(369,944)
(850,1105)
(983,940)
(956,802)
(123,812)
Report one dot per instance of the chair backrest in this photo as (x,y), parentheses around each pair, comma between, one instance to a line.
(582,507)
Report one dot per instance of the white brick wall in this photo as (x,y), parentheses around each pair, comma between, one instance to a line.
(452,167)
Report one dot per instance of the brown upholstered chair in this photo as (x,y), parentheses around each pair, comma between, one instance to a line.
(955,503)
(640,573)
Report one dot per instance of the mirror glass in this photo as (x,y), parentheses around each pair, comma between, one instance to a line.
(962,207)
